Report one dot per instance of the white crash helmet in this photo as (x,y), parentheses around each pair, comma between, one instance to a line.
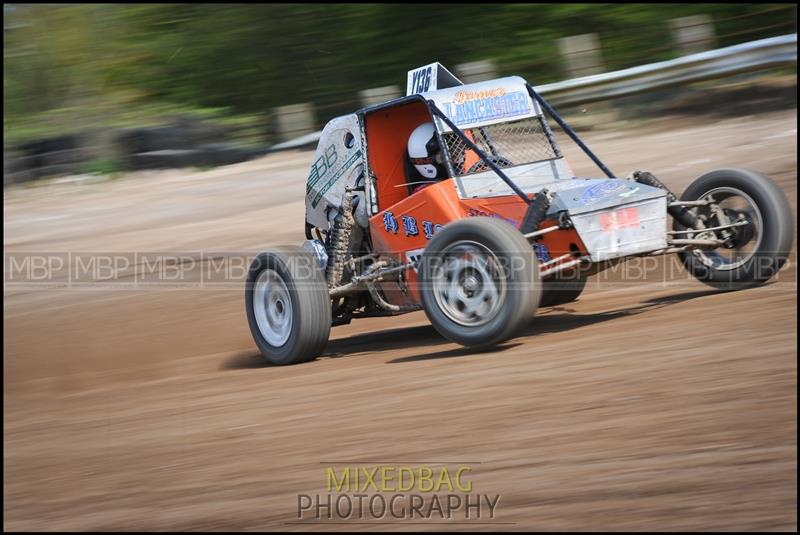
(423,150)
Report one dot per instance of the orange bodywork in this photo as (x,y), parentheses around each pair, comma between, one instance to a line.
(404,228)
(387,139)
(405,223)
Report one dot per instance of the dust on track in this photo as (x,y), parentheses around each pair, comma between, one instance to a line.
(650,404)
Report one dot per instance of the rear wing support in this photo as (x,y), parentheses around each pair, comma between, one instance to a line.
(539,204)
(568,130)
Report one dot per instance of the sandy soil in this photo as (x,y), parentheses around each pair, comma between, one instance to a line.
(648,404)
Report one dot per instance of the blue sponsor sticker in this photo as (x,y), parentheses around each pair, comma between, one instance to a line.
(390,222)
(541,252)
(598,191)
(480,106)
(410,226)
(429,229)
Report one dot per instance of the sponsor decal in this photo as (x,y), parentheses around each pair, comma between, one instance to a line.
(619,219)
(430,229)
(390,223)
(410,226)
(598,191)
(321,166)
(465,96)
(474,212)
(355,157)
(486,105)
(541,252)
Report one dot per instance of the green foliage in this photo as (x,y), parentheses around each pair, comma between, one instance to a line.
(103,166)
(103,64)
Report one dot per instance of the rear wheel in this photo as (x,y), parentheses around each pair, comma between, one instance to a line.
(560,290)
(479,281)
(288,305)
(755,251)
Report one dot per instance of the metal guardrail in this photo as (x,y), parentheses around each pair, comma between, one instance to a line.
(745,57)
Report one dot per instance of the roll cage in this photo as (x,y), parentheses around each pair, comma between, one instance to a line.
(489,159)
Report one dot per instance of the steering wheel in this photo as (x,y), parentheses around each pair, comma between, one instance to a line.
(481,165)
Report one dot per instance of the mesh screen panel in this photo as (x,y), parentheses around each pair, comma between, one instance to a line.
(507,144)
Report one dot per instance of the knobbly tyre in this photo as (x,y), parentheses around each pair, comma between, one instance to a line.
(509,229)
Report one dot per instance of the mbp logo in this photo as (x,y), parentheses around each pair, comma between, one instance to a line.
(35,268)
(398,493)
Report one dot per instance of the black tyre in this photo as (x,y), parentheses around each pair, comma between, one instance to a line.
(560,290)
(479,281)
(757,250)
(288,305)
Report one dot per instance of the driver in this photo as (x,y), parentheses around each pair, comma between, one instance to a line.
(425,155)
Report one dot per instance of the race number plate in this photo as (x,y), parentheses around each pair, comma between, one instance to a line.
(430,78)
(619,219)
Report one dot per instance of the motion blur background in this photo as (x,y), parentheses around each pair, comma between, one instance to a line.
(87,80)
(653,402)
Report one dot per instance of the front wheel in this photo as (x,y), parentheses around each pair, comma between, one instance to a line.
(288,306)
(479,281)
(753,252)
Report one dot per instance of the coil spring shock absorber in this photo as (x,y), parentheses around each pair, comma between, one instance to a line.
(340,241)
(680,213)
(535,213)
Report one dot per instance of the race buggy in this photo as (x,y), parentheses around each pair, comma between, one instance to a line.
(510,230)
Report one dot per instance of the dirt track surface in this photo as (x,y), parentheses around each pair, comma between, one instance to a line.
(648,404)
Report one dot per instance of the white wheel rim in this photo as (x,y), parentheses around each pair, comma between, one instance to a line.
(272,306)
(726,260)
(469,286)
